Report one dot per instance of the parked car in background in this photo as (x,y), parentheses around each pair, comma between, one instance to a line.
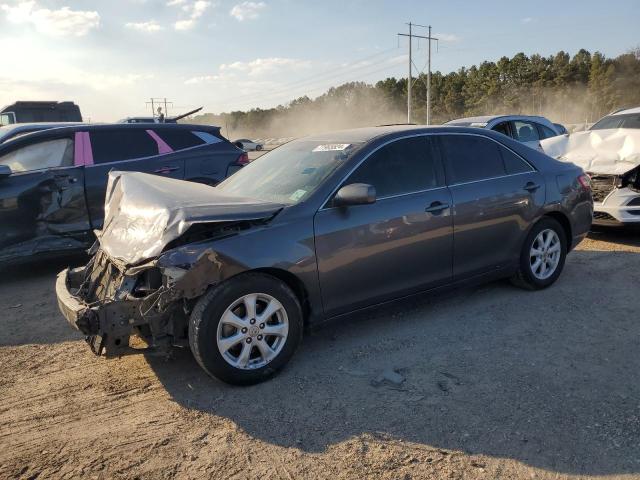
(248,145)
(15,130)
(610,153)
(160,118)
(315,229)
(523,128)
(38,111)
(623,118)
(53,182)
(561,129)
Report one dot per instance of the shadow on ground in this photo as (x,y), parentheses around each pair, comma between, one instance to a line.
(30,311)
(620,235)
(547,378)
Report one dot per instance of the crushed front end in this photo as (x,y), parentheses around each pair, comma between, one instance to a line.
(109,302)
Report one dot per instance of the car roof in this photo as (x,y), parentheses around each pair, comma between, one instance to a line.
(367,134)
(64,130)
(627,111)
(489,118)
(126,126)
(16,127)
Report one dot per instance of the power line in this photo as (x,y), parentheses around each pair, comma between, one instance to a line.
(287,87)
(314,85)
(411,36)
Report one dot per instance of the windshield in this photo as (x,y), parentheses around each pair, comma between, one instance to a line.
(631,120)
(290,173)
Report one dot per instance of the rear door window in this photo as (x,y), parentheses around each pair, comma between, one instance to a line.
(179,139)
(502,128)
(121,144)
(48,154)
(525,131)
(471,158)
(404,166)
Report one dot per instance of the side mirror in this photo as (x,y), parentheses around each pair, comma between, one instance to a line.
(5,171)
(355,194)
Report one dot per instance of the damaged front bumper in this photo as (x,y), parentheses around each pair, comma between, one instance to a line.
(109,303)
(107,325)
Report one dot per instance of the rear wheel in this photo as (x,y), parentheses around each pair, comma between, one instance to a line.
(543,256)
(245,329)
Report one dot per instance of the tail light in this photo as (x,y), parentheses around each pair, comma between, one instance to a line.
(585,181)
(243,159)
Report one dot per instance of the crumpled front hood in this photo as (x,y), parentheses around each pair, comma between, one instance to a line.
(607,152)
(144,212)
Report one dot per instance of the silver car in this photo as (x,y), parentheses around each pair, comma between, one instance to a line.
(527,129)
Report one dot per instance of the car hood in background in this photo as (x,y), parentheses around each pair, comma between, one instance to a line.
(144,212)
(608,152)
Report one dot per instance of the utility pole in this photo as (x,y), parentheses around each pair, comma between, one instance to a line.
(159,101)
(410,78)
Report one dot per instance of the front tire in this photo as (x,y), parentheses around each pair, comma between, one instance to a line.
(542,257)
(245,329)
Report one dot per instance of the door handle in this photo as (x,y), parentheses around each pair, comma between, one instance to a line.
(531,187)
(436,207)
(166,169)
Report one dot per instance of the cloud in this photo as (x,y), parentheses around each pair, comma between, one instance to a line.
(261,66)
(148,27)
(193,10)
(247,10)
(446,37)
(528,20)
(57,23)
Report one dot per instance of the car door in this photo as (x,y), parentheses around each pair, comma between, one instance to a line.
(126,148)
(527,133)
(496,195)
(206,156)
(396,246)
(42,202)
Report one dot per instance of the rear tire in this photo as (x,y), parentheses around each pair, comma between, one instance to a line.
(543,255)
(245,329)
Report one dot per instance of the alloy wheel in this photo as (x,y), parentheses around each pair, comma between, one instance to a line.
(252,331)
(545,253)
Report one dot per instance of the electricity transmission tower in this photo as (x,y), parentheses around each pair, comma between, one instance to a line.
(429,38)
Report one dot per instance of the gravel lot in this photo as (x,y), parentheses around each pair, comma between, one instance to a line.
(489,382)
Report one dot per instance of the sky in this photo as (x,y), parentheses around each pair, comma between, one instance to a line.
(111,56)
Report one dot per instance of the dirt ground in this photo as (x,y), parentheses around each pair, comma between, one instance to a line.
(497,383)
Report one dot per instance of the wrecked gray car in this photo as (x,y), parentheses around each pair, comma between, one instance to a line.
(316,229)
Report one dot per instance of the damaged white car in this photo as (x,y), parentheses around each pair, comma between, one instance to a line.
(610,154)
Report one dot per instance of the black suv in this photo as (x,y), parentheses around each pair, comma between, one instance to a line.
(53,182)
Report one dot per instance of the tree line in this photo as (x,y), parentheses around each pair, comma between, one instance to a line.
(567,89)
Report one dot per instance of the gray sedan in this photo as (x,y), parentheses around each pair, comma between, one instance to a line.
(317,229)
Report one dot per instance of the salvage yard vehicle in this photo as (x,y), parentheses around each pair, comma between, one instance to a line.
(39,111)
(53,182)
(610,154)
(248,145)
(316,229)
(527,129)
(15,130)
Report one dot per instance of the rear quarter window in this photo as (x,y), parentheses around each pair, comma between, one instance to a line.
(180,139)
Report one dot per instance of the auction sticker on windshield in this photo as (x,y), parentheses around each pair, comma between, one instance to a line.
(332,147)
